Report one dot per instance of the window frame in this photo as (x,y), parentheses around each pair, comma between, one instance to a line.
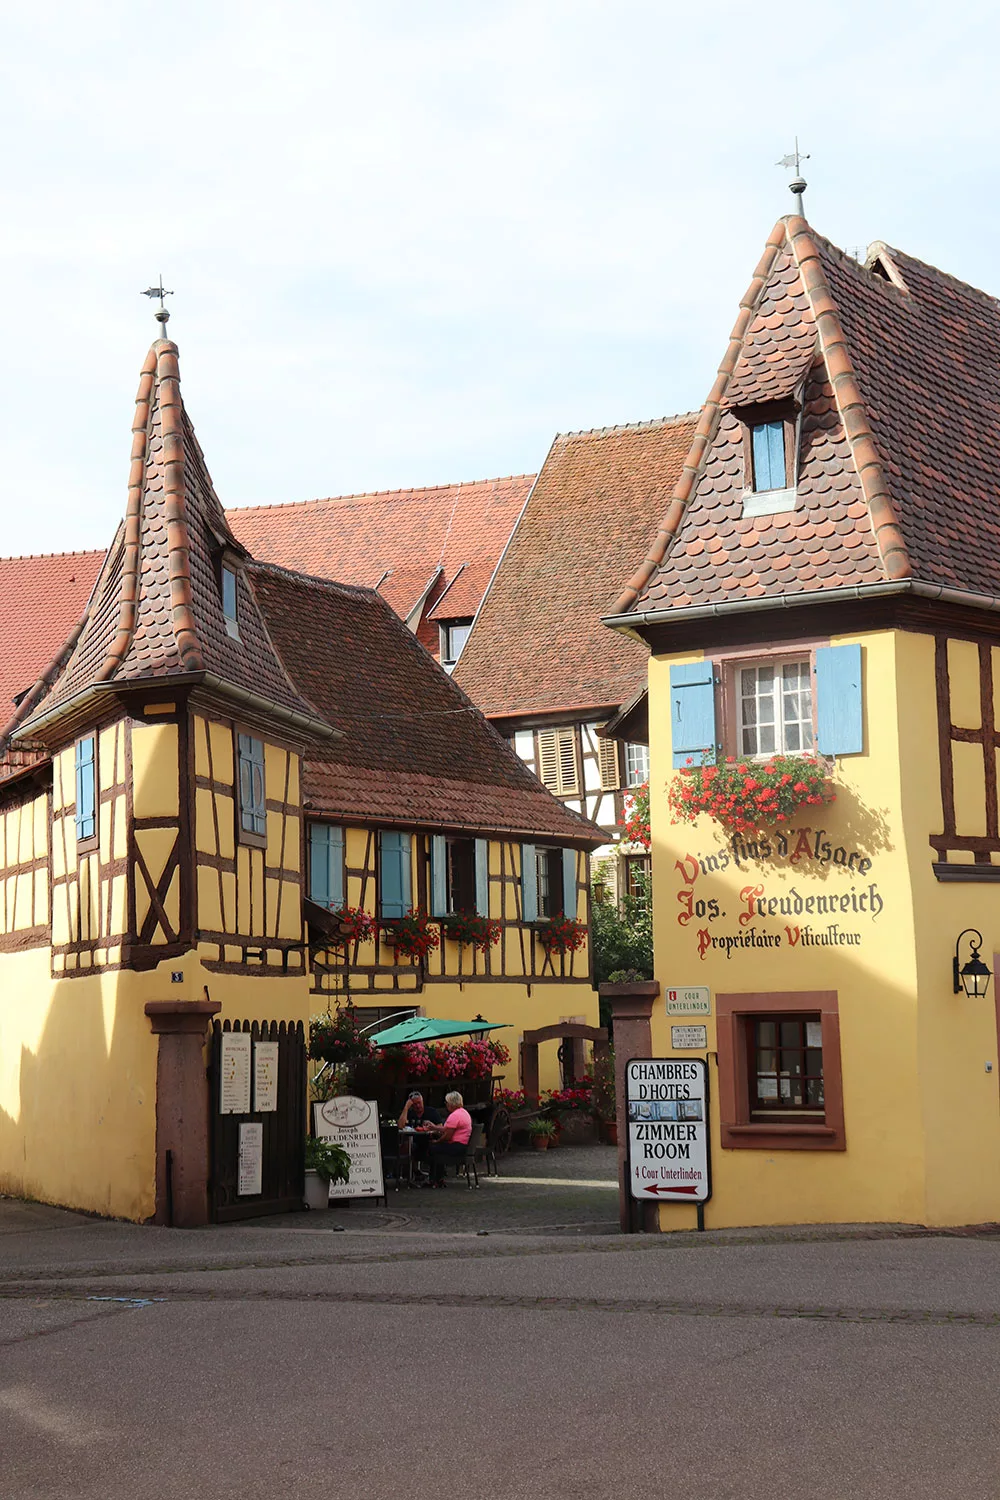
(628,783)
(460,883)
(445,629)
(87,842)
(738,1128)
(254,838)
(232,621)
(730,701)
(632,863)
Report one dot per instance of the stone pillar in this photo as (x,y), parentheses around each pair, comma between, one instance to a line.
(631,1009)
(182,1106)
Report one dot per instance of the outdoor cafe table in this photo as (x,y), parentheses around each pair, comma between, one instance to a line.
(410,1131)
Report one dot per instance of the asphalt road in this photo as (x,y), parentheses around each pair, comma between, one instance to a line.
(360,1356)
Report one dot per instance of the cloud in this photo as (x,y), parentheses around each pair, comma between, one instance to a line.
(409,243)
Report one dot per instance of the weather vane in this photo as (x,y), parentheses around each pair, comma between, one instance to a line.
(797,185)
(161,315)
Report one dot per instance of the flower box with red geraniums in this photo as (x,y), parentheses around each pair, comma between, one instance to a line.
(356,924)
(635,823)
(412,936)
(744,795)
(472,930)
(561,934)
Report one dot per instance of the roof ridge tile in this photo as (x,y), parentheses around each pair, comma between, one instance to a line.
(410,492)
(645,426)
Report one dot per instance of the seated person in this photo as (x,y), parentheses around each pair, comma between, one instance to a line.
(418,1116)
(451,1139)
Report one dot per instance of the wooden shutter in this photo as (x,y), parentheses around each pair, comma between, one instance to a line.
(253,817)
(529,883)
(483,877)
(548,759)
(569,901)
(607,759)
(326,865)
(569,776)
(394,875)
(839,725)
(557,765)
(692,711)
(439,876)
(86,789)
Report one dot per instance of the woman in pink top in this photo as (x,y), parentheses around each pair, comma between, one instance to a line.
(452,1138)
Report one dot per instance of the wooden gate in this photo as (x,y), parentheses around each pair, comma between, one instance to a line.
(257,1170)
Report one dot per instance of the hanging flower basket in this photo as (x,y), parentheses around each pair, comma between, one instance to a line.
(354,923)
(412,936)
(334,1037)
(746,795)
(472,930)
(562,934)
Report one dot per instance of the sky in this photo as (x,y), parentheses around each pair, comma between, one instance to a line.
(408,243)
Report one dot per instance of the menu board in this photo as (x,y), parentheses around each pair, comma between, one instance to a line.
(234,1074)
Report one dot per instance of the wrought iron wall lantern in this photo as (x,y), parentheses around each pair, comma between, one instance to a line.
(974,977)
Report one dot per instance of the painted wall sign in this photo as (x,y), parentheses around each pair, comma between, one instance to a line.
(837,910)
(251,1158)
(265,1077)
(688,1038)
(668,1145)
(234,1074)
(694,1000)
(353,1124)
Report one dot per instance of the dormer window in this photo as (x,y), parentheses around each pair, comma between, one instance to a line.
(230,605)
(454,635)
(770,436)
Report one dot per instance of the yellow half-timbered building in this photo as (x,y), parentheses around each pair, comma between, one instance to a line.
(221,759)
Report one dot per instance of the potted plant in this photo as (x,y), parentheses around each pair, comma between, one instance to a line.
(561,934)
(335,1038)
(326,1162)
(355,924)
(542,1132)
(412,936)
(472,930)
(746,795)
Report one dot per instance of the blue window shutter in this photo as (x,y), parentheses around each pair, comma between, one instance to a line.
(326,865)
(86,789)
(253,813)
(569,883)
(394,875)
(439,876)
(692,711)
(839,727)
(529,883)
(483,877)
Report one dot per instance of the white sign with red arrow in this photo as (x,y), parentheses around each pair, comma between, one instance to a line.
(668,1150)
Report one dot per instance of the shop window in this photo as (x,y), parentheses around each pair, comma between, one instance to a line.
(326,865)
(558,768)
(774,704)
(636,764)
(775,708)
(780,1083)
(86,789)
(253,812)
(395,887)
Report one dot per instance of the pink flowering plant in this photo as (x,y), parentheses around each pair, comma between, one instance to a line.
(441,1062)
(413,936)
(356,924)
(334,1037)
(635,823)
(744,795)
(577,1096)
(472,930)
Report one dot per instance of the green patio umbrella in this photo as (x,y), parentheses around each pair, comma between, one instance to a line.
(428,1029)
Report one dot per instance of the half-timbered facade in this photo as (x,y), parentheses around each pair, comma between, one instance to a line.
(537,660)
(220,757)
(825,583)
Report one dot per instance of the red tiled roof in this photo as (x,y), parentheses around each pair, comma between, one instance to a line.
(538,644)
(899,458)
(464,594)
(42,598)
(395,541)
(157,608)
(415,750)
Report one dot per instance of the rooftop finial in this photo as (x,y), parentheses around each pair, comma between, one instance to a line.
(161,315)
(798,184)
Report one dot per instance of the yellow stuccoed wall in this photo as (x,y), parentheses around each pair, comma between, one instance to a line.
(922,1113)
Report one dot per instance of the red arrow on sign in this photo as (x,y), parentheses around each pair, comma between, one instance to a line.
(657,1187)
